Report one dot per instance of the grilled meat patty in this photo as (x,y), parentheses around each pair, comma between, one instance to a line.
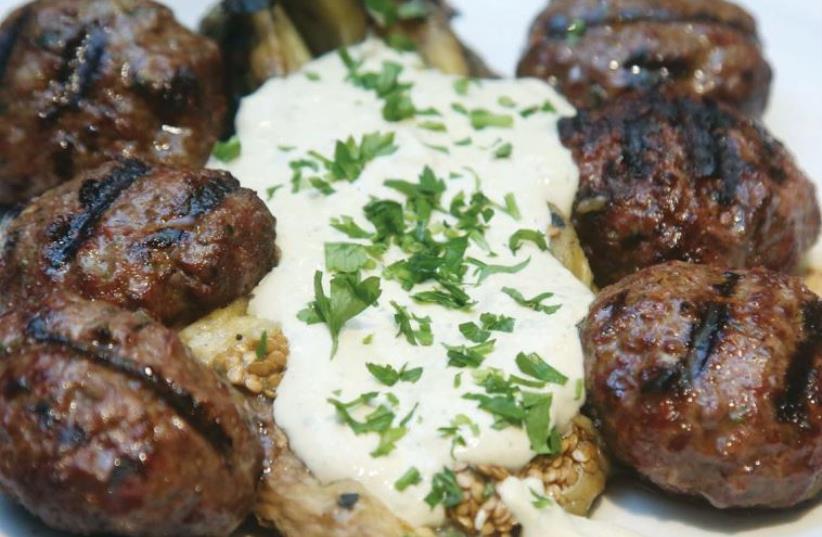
(668,178)
(709,383)
(83,82)
(176,243)
(596,50)
(109,425)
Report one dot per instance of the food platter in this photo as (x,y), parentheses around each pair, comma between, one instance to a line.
(791,37)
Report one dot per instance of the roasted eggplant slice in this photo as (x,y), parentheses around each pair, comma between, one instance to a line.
(328,24)
(262,39)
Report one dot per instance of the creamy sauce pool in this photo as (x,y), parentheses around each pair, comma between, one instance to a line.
(311,111)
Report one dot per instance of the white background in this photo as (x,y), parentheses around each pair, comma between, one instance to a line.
(792,32)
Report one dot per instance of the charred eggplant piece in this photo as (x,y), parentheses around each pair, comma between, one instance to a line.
(328,24)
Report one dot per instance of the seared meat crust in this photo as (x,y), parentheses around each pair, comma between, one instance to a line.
(84,82)
(109,425)
(597,50)
(665,178)
(709,383)
(176,243)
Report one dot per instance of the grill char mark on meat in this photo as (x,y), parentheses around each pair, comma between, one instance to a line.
(82,62)
(175,396)
(8,40)
(209,196)
(96,197)
(792,406)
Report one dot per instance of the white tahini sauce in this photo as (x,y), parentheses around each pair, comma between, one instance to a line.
(308,111)
(522,499)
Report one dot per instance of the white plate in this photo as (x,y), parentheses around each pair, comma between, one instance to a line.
(792,33)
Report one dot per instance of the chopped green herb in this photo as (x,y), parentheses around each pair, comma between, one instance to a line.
(473,332)
(379,421)
(447,295)
(532,303)
(575,31)
(312,76)
(388,12)
(322,186)
(457,380)
(286,148)
(463,142)
(389,376)
(534,366)
(499,323)
(401,42)
(459,108)
(398,106)
(270,191)
(579,390)
(351,157)
(444,490)
(540,501)
(436,126)
(503,151)
(422,336)
(440,148)
(538,421)
(262,346)
(368,340)
(461,86)
(348,298)
(481,119)
(454,431)
(463,356)
(346,224)
(409,478)
(484,270)
(228,150)
(511,206)
(506,101)
(387,218)
(530,235)
(346,257)
(547,106)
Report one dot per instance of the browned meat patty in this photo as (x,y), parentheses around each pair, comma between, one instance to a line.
(176,243)
(83,82)
(709,383)
(596,50)
(107,424)
(678,179)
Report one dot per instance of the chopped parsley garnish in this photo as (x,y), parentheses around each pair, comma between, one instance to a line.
(454,431)
(445,490)
(511,206)
(440,148)
(387,218)
(346,257)
(368,340)
(540,501)
(436,126)
(530,235)
(379,420)
(351,157)
(447,295)
(489,322)
(410,478)
(461,85)
(482,118)
(535,303)
(270,191)
(401,42)
(389,12)
(389,376)
(262,346)
(286,148)
(348,298)
(506,101)
(473,332)
(312,76)
(346,224)
(228,150)
(503,151)
(575,31)
(534,366)
(463,142)
(422,335)
(547,106)
(579,390)
(484,270)
(464,356)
